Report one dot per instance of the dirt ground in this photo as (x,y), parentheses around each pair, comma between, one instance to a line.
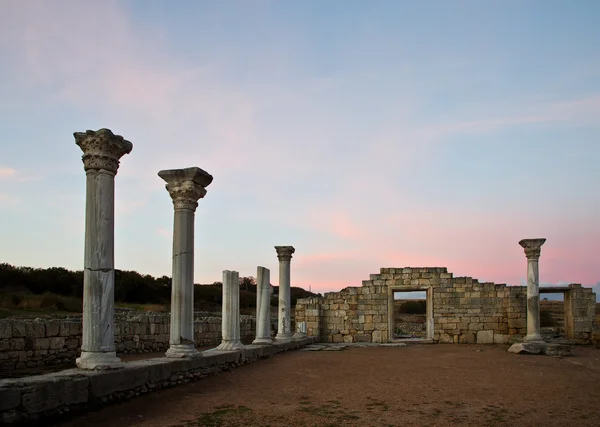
(418,385)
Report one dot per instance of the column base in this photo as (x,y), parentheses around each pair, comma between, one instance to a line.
(230,346)
(533,338)
(98,360)
(181,350)
(262,341)
(284,337)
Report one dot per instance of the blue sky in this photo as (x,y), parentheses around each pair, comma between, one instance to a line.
(366,134)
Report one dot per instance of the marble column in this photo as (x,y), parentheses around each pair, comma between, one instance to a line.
(230,323)
(186,187)
(532,251)
(101,153)
(263,306)
(284,326)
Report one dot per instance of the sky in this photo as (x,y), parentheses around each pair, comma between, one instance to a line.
(365,134)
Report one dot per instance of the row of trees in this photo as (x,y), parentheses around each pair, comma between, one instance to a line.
(130,286)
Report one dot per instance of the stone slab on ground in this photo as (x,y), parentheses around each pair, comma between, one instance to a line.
(540,347)
(41,396)
(338,346)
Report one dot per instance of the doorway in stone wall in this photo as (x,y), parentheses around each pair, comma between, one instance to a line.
(410,315)
(556,313)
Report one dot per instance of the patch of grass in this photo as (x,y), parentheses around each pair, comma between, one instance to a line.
(218,417)
(377,404)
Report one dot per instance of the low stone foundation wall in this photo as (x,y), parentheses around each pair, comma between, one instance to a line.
(43,396)
(30,343)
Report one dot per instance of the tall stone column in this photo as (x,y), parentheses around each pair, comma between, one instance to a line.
(284,324)
(101,153)
(186,187)
(263,306)
(532,251)
(230,323)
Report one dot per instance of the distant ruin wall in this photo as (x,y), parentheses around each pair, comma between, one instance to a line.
(462,309)
(30,343)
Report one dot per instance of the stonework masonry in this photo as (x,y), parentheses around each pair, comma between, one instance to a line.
(460,309)
(30,343)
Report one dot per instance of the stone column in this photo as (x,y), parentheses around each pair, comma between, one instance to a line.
(263,306)
(532,251)
(284,326)
(101,153)
(186,187)
(230,323)
(300,331)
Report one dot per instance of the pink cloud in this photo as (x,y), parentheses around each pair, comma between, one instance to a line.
(7,172)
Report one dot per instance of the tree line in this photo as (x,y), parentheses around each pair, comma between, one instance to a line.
(130,286)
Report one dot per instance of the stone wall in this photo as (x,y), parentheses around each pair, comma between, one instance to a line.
(460,309)
(30,343)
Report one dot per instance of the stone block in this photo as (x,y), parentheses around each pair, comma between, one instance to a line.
(376,336)
(41,344)
(5,329)
(467,338)
(52,391)
(109,382)
(52,329)
(501,338)
(57,342)
(9,398)
(36,329)
(485,337)
(18,329)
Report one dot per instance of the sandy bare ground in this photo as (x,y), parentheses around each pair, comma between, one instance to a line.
(419,385)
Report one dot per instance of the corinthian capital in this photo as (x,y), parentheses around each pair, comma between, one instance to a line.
(102,149)
(186,186)
(533,247)
(284,253)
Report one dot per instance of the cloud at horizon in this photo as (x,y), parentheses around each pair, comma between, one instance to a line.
(360,136)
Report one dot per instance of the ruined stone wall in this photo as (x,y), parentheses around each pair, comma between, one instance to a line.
(462,309)
(30,343)
(584,307)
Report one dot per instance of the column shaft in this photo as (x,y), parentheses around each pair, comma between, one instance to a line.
(181,340)
(99,272)
(230,323)
(263,307)
(533,301)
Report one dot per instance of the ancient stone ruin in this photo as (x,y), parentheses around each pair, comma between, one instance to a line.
(456,310)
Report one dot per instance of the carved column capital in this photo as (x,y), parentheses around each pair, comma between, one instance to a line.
(186,186)
(533,247)
(284,253)
(102,149)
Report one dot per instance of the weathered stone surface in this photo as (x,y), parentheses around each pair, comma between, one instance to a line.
(526,348)
(9,398)
(462,307)
(485,337)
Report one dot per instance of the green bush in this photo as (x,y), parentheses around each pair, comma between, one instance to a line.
(413,307)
